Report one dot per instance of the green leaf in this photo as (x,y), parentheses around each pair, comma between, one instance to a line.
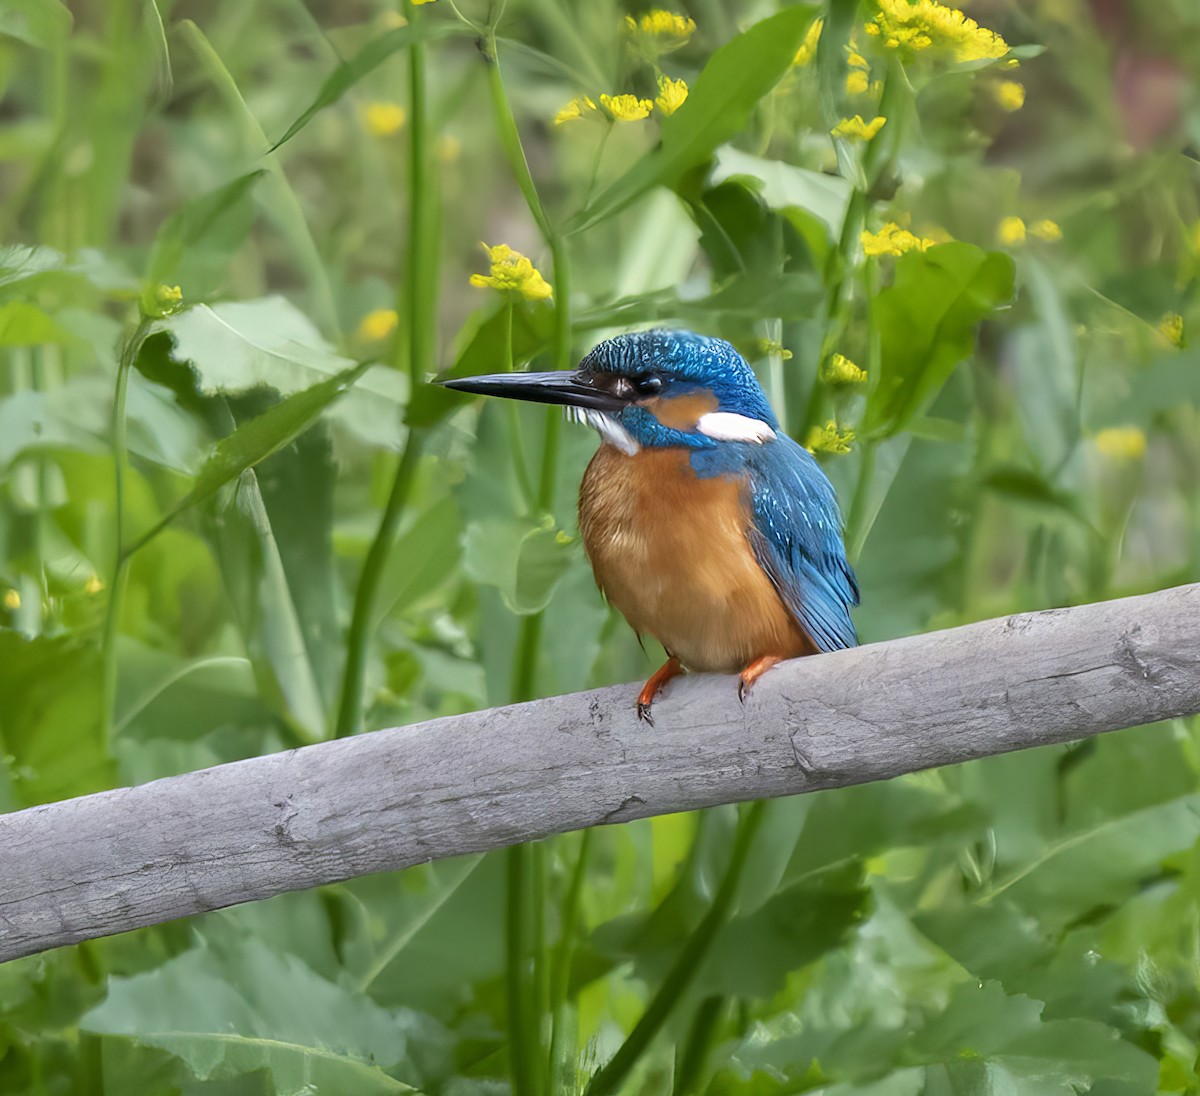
(927,321)
(43,23)
(521,558)
(736,77)
(370,57)
(257,439)
(215,224)
(420,561)
(238,346)
(49,717)
(785,186)
(23,324)
(249,1010)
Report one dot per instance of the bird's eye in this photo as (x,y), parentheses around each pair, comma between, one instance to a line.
(647,384)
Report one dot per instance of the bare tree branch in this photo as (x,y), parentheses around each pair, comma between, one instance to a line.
(122,859)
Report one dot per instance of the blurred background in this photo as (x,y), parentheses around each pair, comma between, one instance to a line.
(961,250)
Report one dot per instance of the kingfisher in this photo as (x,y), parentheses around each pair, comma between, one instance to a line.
(706,526)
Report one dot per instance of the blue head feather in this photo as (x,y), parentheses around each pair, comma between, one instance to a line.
(685,362)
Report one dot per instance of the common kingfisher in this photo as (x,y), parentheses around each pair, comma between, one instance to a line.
(706,526)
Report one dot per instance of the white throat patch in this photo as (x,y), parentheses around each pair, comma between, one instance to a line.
(607,427)
(726,426)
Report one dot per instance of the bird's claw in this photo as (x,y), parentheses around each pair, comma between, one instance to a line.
(643,712)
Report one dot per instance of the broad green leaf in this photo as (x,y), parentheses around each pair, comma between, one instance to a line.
(237,346)
(927,321)
(1101,864)
(736,77)
(420,560)
(1026,486)
(23,324)
(370,57)
(50,717)
(232,1013)
(257,439)
(204,232)
(522,558)
(785,186)
(43,23)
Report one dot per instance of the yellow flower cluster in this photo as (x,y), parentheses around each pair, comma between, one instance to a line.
(808,48)
(627,108)
(671,94)
(855,129)
(1010,232)
(893,240)
(577,108)
(378,325)
(1046,230)
(769,347)
(926,24)
(1121,442)
(841,370)
(657,32)
(383,119)
(512,272)
(12,600)
(1170,327)
(169,298)
(829,439)
(1010,95)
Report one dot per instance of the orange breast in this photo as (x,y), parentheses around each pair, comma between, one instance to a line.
(670,551)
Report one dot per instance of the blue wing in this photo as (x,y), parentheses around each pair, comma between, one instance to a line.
(797,540)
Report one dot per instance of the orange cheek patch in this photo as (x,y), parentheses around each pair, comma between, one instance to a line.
(682,412)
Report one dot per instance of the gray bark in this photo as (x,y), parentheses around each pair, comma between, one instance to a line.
(122,859)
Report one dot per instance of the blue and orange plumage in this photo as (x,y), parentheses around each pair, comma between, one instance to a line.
(707,527)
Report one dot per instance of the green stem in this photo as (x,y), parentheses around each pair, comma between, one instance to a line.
(419,302)
(116,585)
(516,441)
(687,963)
(522,1023)
(350,705)
(693,1058)
(560,982)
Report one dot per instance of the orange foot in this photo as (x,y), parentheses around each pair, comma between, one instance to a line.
(669,669)
(753,672)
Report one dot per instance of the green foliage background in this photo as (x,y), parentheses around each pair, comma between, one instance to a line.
(248,524)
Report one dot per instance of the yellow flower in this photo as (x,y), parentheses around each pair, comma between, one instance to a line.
(671,94)
(449,148)
(855,59)
(169,298)
(855,129)
(512,272)
(1121,442)
(658,32)
(418,3)
(1010,232)
(1046,230)
(627,108)
(1170,327)
(378,325)
(829,439)
(926,24)
(857,82)
(383,119)
(578,107)
(893,240)
(93,585)
(768,347)
(841,370)
(12,600)
(1009,94)
(808,48)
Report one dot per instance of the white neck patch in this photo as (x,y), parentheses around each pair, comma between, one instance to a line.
(607,427)
(726,426)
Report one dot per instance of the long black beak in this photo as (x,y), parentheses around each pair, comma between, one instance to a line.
(572,389)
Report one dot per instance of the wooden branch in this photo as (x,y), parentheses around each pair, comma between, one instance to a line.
(131,857)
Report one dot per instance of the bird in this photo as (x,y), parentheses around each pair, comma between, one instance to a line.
(706,526)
